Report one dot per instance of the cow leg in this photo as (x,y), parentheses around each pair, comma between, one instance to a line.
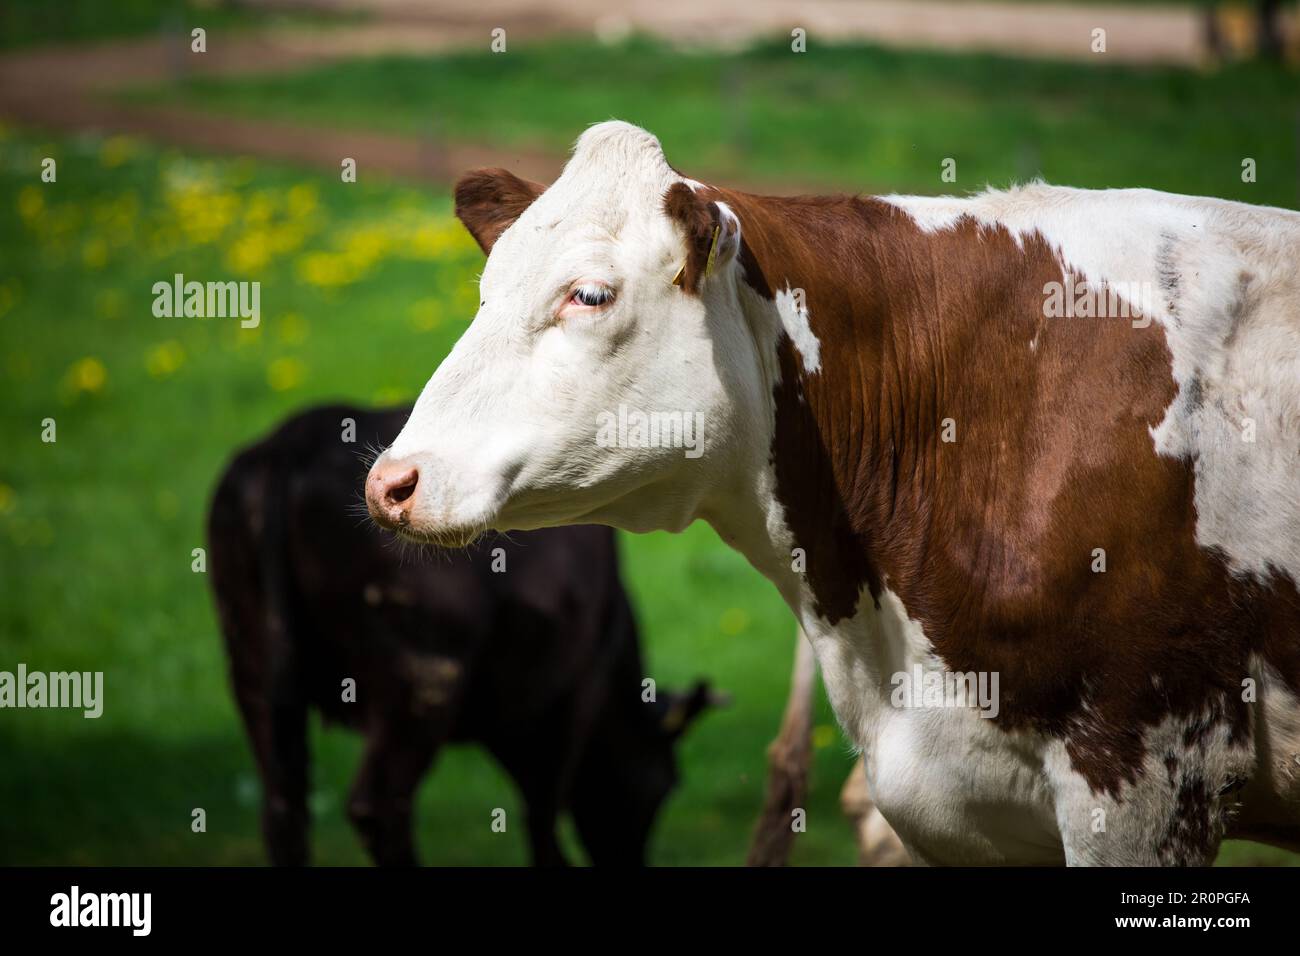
(1175,814)
(274,708)
(537,772)
(614,805)
(788,758)
(543,843)
(541,778)
(380,806)
(1163,834)
(277,728)
(542,764)
(614,827)
(878,844)
(250,597)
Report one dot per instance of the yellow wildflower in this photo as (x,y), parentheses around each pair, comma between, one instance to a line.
(31,203)
(95,253)
(425,315)
(302,200)
(115,151)
(823,735)
(86,375)
(734,620)
(250,252)
(165,359)
(109,302)
(293,328)
(285,373)
(325,269)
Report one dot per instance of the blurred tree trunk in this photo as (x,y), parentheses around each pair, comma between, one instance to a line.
(1269,38)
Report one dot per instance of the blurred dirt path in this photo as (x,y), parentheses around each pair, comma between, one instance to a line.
(69,88)
(1140,33)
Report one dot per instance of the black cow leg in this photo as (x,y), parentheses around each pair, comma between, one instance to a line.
(278,730)
(380,806)
(537,764)
(614,828)
(542,839)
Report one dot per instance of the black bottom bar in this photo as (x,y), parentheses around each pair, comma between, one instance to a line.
(333,906)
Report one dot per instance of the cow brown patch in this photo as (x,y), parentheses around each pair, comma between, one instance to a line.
(989,541)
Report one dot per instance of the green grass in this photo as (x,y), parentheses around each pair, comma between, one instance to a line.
(96,529)
(27,23)
(857,117)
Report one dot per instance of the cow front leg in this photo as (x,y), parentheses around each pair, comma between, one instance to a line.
(1174,814)
(381,803)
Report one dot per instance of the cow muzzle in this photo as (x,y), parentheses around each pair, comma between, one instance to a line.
(391,489)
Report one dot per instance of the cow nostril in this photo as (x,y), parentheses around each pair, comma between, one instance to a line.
(403,488)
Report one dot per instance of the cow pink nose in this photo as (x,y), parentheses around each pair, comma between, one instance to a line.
(390,493)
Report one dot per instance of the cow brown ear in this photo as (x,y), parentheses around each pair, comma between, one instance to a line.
(488,201)
(712,235)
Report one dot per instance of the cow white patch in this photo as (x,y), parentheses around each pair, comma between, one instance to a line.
(996,809)
(793,310)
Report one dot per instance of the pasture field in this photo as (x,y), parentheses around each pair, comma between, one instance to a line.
(364,288)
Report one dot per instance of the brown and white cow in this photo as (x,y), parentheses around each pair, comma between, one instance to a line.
(908,414)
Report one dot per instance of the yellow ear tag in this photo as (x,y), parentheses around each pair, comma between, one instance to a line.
(708,264)
(713,251)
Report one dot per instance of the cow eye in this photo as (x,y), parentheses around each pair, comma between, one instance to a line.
(591,295)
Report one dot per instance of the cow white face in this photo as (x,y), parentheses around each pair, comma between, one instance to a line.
(589,387)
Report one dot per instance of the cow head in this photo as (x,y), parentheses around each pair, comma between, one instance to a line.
(609,375)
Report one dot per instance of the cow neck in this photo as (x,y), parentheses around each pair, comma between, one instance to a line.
(858,417)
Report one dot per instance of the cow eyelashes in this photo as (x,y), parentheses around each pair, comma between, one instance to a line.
(591,295)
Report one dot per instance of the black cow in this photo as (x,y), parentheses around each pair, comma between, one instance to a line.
(525,644)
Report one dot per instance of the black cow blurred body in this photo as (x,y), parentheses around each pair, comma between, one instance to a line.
(539,663)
